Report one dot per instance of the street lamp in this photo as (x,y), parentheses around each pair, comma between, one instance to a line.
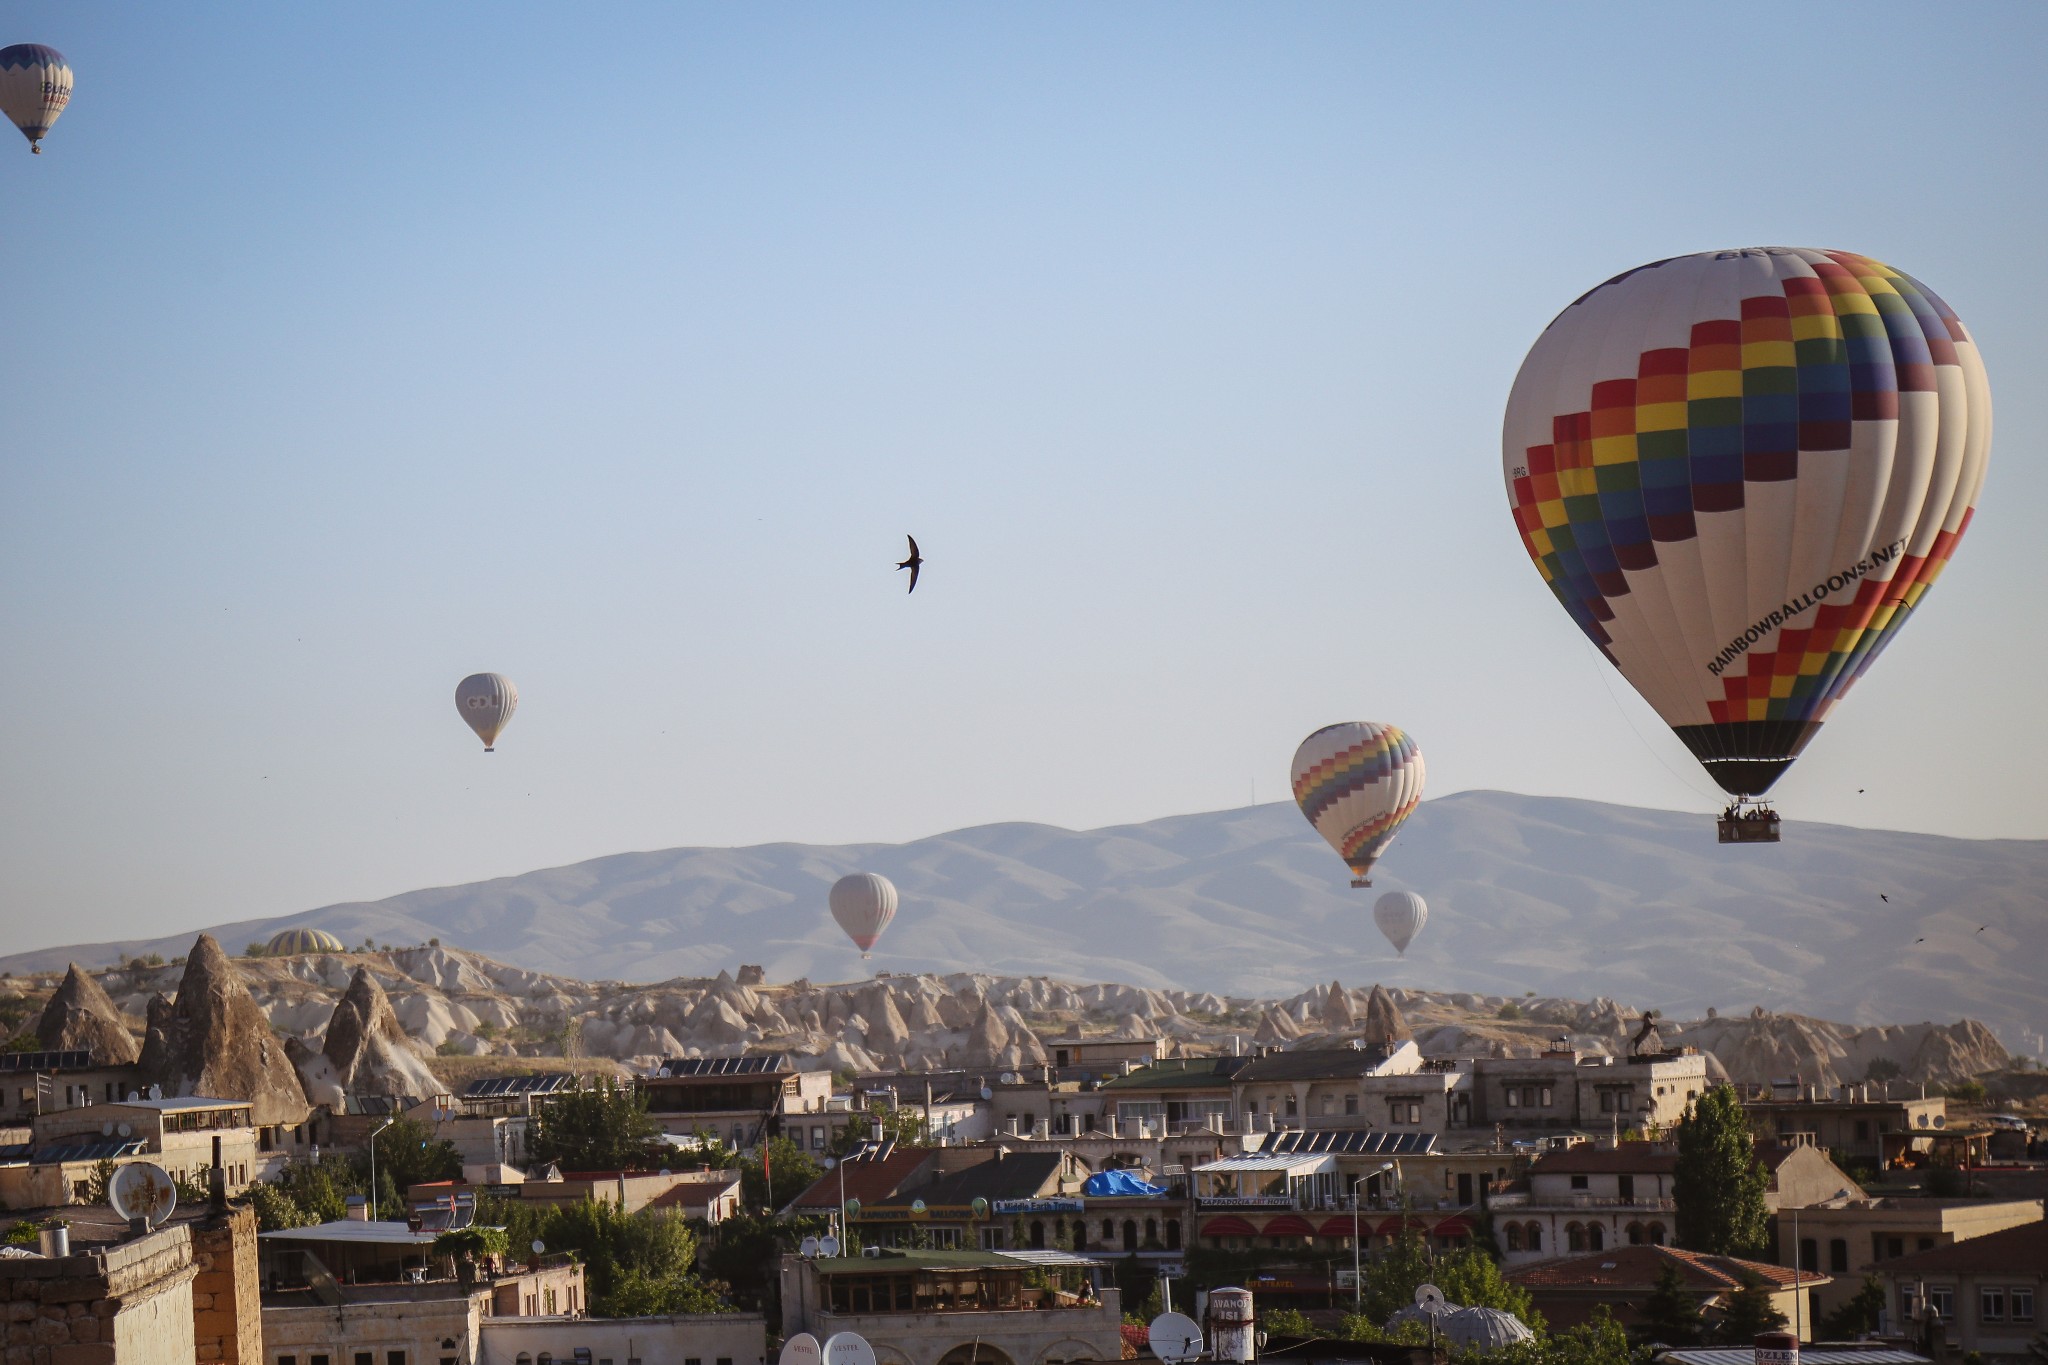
(1357,1275)
(391,1119)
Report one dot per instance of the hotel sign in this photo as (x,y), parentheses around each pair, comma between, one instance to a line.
(1040,1206)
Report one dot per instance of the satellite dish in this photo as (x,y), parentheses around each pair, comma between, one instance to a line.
(665,1171)
(801,1349)
(156,1092)
(133,1097)
(807,1248)
(987,1093)
(1429,1299)
(848,1348)
(828,1245)
(140,1189)
(1175,1338)
(1008,1078)
(107,1128)
(831,1162)
(539,1246)
(125,1129)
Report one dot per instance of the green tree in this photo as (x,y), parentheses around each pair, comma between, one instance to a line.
(1968,1092)
(638,1264)
(276,1210)
(1749,1312)
(1857,1315)
(1288,1322)
(604,1128)
(321,1188)
(790,1169)
(1719,1184)
(1671,1312)
(1880,1070)
(743,1255)
(409,1154)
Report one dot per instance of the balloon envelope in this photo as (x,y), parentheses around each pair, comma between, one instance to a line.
(35,85)
(863,903)
(1739,472)
(1400,916)
(1357,783)
(291,941)
(486,702)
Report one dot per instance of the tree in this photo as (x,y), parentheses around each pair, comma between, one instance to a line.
(408,1154)
(1671,1312)
(789,1168)
(638,1264)
(604,1128)
(1859,1314)
(1968,1092)
(1881,1069)
(1719,1184)
(1468,1276)
(320,1189)
(1749,1312)
(742,1255)
(276,1210)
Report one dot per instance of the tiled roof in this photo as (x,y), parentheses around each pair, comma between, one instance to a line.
(1636,1268)
(2021,1251)
(1314,1064)
(1630,1158)
(1180,1073)
(867,1181)
(1020,1175)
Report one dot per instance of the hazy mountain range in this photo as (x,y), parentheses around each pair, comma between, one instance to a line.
(1544,894)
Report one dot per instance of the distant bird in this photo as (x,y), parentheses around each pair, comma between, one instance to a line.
(1919,940)
(1982,927)
(914,563)
(1859,791)
(1883,897)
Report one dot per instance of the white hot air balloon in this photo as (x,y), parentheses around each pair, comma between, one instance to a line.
(863,903)
(486,701)
(1400,916)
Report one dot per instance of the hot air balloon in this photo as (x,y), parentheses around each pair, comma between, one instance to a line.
(35,85)
(1356,783)
(289,942)
(863,903)
(487,701)
(1400,916)
(1739,472)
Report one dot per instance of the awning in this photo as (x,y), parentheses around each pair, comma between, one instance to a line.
(1227,1226)
(1345,1227)
(1288,1225)
(1309,1163)
(1459,1226)
(1054,1259)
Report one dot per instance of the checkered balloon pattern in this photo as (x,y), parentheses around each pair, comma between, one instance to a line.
(1740,472)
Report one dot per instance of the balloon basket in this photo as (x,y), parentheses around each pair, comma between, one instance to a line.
(1756,825)
(1361,881)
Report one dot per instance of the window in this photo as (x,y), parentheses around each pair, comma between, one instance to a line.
(817,1137)
(1535,1236)
(1926,1244)
(366,1358)
(992,1239)
(1656,1234)
(1173,1234)
(2020,1299)
(1628,1188)
(1607,1101)
(394,1358)
(1894,1246)
(1596,1237)
(1991,1303)
(1290,1106)
(1941,1301)
(1543,1097)
(1329,1104)
(1838,1255)
(316,1360)
(1514,1098)
(1415,1113)
(1809,1254)
(1863,1130)
(1574,1237)
(1351,1104)
(287,1360)
(1578,1182)
(1635,1234)
(1514,1237)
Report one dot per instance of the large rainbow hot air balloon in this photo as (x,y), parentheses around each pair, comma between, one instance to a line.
(1740,471)
(1357,783)
(35,85)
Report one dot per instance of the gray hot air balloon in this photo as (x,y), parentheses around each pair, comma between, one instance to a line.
(486,701)
(863,903)
(1400,916)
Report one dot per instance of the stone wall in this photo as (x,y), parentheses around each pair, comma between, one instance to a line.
(130,1304)
(227,1302)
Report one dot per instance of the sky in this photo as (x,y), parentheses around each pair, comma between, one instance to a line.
(353,349)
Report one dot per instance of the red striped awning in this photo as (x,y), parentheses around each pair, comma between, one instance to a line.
(1229,1225)
(1288,1225)
(1345,1227)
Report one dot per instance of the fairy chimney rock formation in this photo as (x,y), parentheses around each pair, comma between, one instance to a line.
(1337,1015)
(81,1015)
(1384,1026)
(215,1041)
(368,1048)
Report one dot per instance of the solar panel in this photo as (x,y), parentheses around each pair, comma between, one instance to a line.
(1370,1141)
(71,1059)
(84,1149)
(725,1066)
(496,1087)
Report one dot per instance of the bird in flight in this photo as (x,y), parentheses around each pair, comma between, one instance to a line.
(1919,940)
(1883,897)
(914,563)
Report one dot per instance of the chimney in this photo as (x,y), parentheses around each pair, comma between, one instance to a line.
(217,1183)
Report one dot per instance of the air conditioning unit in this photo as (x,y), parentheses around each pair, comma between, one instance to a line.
(872,1253)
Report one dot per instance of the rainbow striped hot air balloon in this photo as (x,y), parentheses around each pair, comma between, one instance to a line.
(1739,472)
(291,942)
(1357,783)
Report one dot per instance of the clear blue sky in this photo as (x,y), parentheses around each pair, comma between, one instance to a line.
(350,349)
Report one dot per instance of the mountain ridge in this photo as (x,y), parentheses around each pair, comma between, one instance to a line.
(1558,895)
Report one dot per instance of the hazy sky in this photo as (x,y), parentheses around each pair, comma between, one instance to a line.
(351,349)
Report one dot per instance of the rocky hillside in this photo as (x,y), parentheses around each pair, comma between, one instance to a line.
(368,1022)
(1565,898)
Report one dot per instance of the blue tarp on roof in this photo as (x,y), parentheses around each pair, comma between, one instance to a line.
(1105,1183)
